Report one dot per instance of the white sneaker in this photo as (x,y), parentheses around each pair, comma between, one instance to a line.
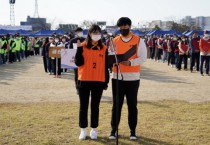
(133,138)
(93,134)
(82,135)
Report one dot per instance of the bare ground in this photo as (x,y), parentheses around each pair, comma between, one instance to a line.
(26,82)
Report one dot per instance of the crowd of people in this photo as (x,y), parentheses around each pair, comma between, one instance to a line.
(176,51)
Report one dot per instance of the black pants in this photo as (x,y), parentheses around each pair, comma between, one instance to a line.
(27,53)
(171,58)
(206,59)
(150,48)
(50,65)
(36,49)
(45,64)
(18,55)
(58,66)
(152,53)
(3,58)
(84,95)
(11,56)
(130,90)
(76,77)
(195,57)
(181,58)
(158,54)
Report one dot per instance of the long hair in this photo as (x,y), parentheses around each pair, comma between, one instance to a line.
(45,42)
(93,29)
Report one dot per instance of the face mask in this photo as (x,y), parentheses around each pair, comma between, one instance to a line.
(206,35)
(183,39)
(105,36)
(50,41)
(80,34)
(174,39)
(95,37)
(56,40)
(124,32)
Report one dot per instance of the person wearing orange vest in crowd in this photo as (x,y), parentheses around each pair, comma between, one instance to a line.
(195,52)
(93,78)
(129,80)
(183,52)
(204,45)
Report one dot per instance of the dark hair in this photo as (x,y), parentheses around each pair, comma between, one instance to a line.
(94,28)
(45,42)
(124,21)
(78,29)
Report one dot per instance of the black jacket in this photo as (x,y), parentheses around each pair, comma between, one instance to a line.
(74,40)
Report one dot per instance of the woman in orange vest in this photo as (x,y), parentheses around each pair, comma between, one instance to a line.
(93,78)
(205,52)
(129,80)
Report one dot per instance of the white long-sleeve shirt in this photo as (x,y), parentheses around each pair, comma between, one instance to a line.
(141,58)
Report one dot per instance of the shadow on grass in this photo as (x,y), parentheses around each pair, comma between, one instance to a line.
(156,104)
(10,71)
(126,141)
(160,76)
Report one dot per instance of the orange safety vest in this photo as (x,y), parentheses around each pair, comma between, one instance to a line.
(122,47)
(204,45)
(93,68)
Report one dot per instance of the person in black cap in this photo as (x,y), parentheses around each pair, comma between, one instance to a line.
(78,39)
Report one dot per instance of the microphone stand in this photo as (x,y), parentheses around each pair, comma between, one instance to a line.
(117,87)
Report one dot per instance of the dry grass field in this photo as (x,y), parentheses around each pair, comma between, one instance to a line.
(37,109)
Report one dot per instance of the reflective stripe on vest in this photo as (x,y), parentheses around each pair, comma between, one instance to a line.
(2,50)
(93,68)
(122,47)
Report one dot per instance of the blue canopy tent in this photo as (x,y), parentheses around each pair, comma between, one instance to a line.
(200,33)
(148,33)
(13,32)
(136,32)
(163,32)
(48,32)
(184,33)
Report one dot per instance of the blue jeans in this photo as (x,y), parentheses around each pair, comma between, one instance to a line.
(2,61)
(18,55)
(22,53)
(177,59)
(206,59)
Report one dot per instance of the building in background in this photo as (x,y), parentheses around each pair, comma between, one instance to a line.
(164,25)
(197,22)
(37,23)
(67,27)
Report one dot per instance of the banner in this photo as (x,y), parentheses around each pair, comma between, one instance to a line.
(67,58)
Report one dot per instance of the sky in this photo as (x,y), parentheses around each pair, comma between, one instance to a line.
(76,11)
